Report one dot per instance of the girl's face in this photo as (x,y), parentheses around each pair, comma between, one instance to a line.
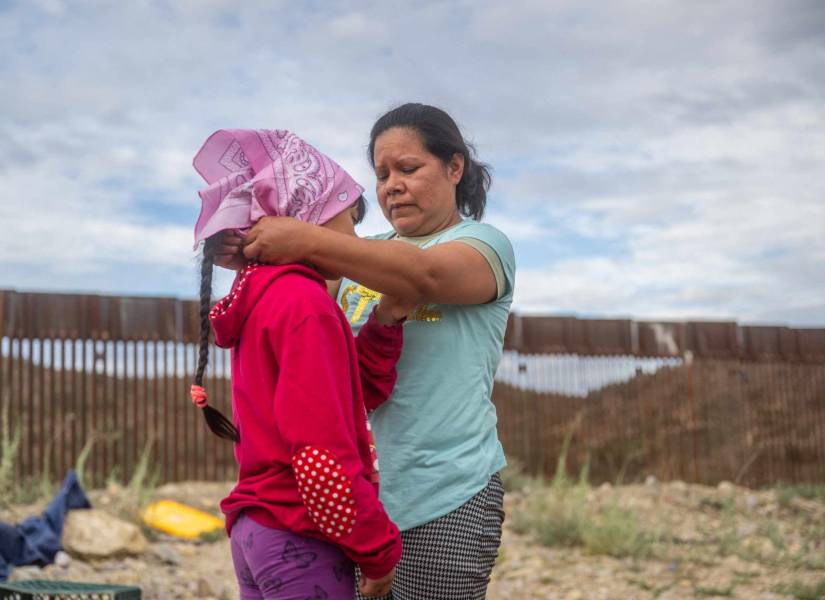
(415,189)
(343,222)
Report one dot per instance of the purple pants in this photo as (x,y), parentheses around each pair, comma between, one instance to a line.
(271,563)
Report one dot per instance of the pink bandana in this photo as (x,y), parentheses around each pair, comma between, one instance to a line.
(257,172)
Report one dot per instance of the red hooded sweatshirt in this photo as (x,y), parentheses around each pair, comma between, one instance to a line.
(305,456)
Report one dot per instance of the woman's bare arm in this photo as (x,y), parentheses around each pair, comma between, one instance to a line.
(449,273)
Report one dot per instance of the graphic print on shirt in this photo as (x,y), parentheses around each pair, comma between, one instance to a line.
(363,298)
(325,490)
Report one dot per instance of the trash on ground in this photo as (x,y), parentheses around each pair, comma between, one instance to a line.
(180,520)
(36,540)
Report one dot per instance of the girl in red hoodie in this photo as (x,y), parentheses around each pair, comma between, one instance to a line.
(306,506)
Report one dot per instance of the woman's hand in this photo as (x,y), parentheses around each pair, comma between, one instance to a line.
(374,588)
(391,310)
(229,252)
(279,241)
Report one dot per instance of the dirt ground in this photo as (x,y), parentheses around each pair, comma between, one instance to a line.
(714,542)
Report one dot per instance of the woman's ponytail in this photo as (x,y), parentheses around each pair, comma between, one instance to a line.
(442,138)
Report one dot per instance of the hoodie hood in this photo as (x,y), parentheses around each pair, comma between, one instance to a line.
(230,313)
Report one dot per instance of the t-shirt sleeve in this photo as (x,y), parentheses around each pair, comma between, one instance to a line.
(497,250)
(492,259)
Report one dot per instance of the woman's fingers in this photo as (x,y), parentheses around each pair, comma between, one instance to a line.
(252,249)
(228,253)
(230,261)
(228,249)
(277,240)
(231,237)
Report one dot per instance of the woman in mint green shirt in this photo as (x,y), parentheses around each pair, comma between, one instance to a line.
(438,448)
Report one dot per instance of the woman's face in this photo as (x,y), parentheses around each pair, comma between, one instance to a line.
(415,189)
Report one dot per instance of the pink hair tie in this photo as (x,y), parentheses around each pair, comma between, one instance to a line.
(199,396)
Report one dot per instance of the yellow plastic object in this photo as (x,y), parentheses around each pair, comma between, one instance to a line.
(180,520)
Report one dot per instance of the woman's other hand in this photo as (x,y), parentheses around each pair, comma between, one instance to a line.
(229,252)
(391,310)
(375,588)
(279,241)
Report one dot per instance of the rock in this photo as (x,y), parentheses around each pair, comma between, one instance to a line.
(166,555)
(95,533)
(751,501)
(679,486)
(204,590)
(726,488)
(651,481)
(26,573)
(747,529)
(62,559)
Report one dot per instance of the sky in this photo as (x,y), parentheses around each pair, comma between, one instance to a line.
(654,160)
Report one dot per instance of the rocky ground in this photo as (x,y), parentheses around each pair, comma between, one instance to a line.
(708,542)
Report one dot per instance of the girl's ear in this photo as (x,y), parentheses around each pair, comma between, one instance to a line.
(343,222)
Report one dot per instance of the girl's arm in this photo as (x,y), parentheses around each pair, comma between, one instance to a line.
(379,348)
(320,423)
(449,273)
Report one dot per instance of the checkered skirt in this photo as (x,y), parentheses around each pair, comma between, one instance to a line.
(451,558)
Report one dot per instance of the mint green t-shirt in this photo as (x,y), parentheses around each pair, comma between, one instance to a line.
(436,435)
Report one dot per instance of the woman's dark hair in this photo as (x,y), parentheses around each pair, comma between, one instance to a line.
(219,424)
(442,138)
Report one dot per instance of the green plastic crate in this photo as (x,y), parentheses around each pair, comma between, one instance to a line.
(40,589)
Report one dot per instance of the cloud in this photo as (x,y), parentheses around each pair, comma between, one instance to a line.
(656,162)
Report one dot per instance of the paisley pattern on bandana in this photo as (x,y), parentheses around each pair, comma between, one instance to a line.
(304,176)
(253,173)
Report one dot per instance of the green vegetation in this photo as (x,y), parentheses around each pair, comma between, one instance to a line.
(711,591)
(143,482)
(809,491)
(9,446)
(558,514)
(513,476)
(803,591)
(80,463)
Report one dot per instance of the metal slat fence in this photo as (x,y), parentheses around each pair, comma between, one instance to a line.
(113,372)
(694,401)
(704,421)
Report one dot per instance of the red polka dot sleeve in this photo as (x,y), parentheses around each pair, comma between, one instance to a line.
(325,490)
